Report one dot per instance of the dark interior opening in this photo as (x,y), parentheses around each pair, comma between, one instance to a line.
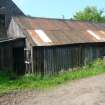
(19,64)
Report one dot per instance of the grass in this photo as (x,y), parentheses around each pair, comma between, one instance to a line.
(30,81)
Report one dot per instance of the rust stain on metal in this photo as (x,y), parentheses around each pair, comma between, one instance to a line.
(62,31)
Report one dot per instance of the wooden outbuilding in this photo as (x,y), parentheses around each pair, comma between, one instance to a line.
(46,46)
(55,45)
(11,48)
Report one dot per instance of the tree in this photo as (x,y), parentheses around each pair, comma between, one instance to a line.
(90,14)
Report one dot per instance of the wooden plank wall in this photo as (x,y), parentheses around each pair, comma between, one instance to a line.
(52,60)
(6,59)
(38,60)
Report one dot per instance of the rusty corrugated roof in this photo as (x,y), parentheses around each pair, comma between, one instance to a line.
(60,31)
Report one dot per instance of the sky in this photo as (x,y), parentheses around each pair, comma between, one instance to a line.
(56,8)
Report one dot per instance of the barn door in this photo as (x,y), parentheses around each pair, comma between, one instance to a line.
(19,65)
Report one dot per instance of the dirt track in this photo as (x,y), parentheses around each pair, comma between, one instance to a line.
(89,91)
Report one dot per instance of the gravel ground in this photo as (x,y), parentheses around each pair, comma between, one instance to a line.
(89,91)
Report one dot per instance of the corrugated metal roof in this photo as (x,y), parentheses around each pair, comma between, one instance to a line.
(60,31)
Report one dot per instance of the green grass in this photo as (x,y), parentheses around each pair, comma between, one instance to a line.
(30,81)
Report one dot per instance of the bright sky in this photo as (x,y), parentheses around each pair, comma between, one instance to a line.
(56,8)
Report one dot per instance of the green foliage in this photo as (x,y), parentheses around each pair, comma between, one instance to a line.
(30,81)
(90,14)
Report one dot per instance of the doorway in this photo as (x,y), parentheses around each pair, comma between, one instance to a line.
(18,58)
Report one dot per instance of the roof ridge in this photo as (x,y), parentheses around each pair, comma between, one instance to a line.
(32,17)
(46,18)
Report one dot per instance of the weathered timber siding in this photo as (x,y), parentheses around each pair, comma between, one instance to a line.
(52,60)
(14,30)
(6,58)
(38,60)
(12,55)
